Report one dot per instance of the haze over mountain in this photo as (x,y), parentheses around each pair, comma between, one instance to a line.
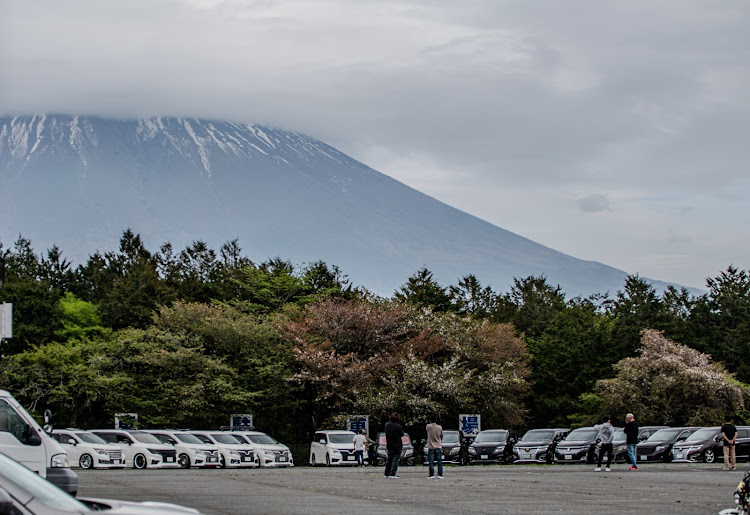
(78,182)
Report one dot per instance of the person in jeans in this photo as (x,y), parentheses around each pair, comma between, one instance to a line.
(729,434)
(631,432)
(606,432)
(393,434)
(435,447)
(360,441)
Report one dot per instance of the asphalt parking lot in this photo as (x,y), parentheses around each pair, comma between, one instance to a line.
(655,488)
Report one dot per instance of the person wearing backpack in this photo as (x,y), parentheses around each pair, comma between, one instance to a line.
(606,432)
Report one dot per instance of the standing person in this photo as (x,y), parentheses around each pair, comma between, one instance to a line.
(606,432)
(435,447)
(631,432)
(729,434)
(393,434)
(360,441)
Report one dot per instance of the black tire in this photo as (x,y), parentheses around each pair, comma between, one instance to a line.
(590,457)
(222,462)
(312,460)
(709,456)
(328,460)
(139,461)
(86,461)
(183,460)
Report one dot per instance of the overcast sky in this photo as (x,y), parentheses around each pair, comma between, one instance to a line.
(615,131)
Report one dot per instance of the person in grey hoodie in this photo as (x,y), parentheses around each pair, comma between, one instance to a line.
(606,432)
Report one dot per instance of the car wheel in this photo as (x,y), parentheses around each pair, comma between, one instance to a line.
(510,458)
(222,462)
(86,461)
(312,459)
(328,459)
(709,456)
(139,461)
(184,461)
(668,456)
(590,457)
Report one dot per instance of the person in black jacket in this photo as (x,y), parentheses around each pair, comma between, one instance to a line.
(393,434)
(631,432)
(729,435)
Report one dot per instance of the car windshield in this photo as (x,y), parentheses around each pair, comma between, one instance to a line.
(40,488)
(90,438)
(185,438)
(144,437)
(263,439)
(450,437)
(664,434)
(341,437)
(619,435)
(581,435)
(225,438)
(491,436)
(703,434)
(538,435)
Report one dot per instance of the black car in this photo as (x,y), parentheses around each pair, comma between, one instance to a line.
(407,452)
(493,446)
(707,445)
(658,447)
(538,445)
(619,442)
(579,446)
(451,447)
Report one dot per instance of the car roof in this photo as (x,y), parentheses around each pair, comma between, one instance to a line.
(335,431)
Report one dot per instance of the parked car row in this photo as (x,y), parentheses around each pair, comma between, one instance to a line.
(156,448)
(548,445)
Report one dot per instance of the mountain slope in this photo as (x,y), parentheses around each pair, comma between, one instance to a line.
(80,181)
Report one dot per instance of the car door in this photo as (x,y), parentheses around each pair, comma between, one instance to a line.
(18,439)
(742,443)
(316,447)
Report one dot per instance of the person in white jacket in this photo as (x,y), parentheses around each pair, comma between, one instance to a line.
(606,432)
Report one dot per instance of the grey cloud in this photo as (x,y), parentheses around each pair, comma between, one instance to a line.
(594,204)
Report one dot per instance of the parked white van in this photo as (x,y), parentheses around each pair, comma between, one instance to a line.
(88,450)
(140,449)
(191,451)
(234,453)
(22,439)
(333,447)
(270,452)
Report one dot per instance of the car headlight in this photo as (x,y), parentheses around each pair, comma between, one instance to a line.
(620,448)
(335,452)
(59,461)
(543,448)
(101,451)
(660,448)
(500,448)
(270,454)
(381,452)
(472,450)
(409,452)
(455,450)
(154,451)
(236,453)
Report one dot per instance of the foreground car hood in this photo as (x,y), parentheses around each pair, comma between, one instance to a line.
(136,508)
(269,447)
(531,444)
(574,443)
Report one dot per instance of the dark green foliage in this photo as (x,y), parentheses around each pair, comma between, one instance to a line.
(423,290)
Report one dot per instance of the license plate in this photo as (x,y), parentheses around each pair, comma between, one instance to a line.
(484,456)
(568,456)
(282,458)
(643,457)
(350,458)
(527,456)
(678,456)
(170,459)
(212,459)
(245,459)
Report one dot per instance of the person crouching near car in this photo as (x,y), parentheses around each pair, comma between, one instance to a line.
(393,435)
(606,432)
(729,434)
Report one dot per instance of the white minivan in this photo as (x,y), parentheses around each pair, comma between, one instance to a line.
(333,447)
(22,439)
(270,452)
(234,452)
(141,450)
(88,450)
(191,451)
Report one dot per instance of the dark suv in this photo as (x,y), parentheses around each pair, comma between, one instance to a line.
(451,447)
(578,446)
(658,447)
(706,445)
(538,445)
(492,446)
(619,442)
(407,452)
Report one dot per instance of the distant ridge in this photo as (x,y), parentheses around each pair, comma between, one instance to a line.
(79,182)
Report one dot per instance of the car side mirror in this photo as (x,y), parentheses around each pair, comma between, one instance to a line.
(322,442)
(717,438)
(71,441)
(642,438)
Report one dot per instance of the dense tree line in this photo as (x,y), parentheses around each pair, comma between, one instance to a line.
(186,338)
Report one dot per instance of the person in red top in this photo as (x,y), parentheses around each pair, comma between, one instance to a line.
(729,433)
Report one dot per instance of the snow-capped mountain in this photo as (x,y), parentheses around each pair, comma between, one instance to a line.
(78,182)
